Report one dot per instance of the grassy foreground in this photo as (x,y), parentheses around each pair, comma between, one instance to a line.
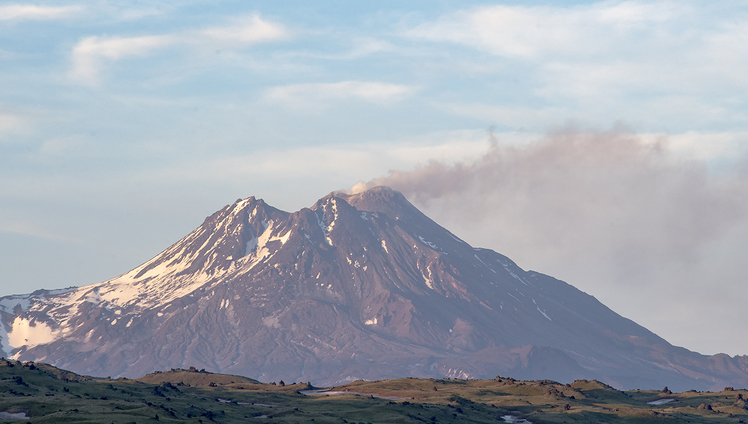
(45,394)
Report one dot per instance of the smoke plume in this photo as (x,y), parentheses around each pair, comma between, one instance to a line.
(656,237)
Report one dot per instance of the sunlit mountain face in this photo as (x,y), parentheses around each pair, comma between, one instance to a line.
(360,286)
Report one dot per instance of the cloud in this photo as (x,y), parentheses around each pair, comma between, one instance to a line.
(91,54)
(32,230)
(9,122)
(360,47)
(716,147)
(511,116)
(24,12)
(314,95)
(531,32)
(247,30)
(627,218)
(349,161)
(649,63)
(12,123)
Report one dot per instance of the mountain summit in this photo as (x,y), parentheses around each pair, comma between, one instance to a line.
(360,286)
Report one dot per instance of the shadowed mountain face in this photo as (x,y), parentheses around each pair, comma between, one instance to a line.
(358,286)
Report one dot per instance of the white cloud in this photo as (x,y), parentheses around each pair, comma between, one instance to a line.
(68,144)
(12,124)
(24,12)
(367,46)
(531,32)
(9,122)
(91,54)
(30,229)
(657,64)
(247,30)
(511,116)
(360,48)
(316,95)
(343,164)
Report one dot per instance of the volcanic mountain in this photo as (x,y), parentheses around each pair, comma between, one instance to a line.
(359,286)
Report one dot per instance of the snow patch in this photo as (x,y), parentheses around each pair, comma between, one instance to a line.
(488,266)
(515,420)
(271,322)
(372,321)
(429,280)
(30,333)
(284,238)
(660,401)
(384,246)
(327,229)
(240,205)
(13,416)
(512,273)
(261,251)
(428,243)
(321,221)
(544,314)
(9,303)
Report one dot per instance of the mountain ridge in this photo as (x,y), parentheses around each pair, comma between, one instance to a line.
(358,286)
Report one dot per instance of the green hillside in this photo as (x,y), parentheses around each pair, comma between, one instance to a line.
(41,393)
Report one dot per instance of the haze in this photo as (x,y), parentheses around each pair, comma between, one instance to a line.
(601,143)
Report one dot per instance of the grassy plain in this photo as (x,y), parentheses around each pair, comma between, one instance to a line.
(46,394)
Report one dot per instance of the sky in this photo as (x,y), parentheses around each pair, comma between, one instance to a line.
(603,143)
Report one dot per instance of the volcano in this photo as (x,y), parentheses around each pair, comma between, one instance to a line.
(359,286)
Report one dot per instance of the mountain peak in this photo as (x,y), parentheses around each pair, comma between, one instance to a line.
(378,199)
(359,286)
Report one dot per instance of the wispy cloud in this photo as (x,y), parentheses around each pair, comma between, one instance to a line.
(632,60)
(342,164)
(12,123)
(246,30)
(511,116)
(315,95)
(91,54)
(9,122)
(25,12)
(30,229)
(530,32)
(360,47)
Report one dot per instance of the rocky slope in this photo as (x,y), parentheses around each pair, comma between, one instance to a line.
(356,287)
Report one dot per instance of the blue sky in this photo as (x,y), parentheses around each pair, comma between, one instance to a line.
(124,124)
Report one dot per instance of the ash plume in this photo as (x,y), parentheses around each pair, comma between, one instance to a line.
(653,235)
